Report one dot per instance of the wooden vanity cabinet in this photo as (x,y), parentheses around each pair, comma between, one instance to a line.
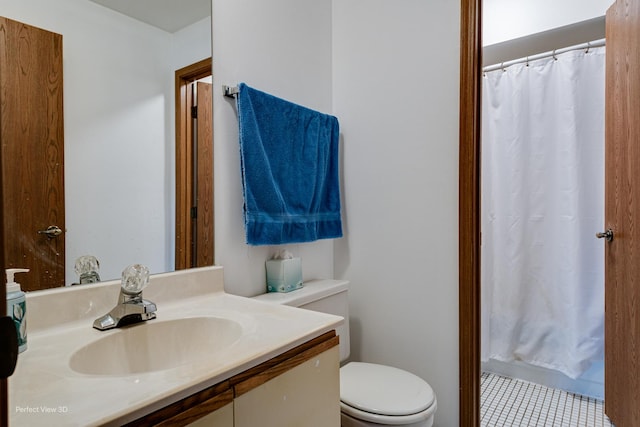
(300,391)
(300,387)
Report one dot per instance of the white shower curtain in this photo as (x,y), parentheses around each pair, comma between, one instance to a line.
(542,203)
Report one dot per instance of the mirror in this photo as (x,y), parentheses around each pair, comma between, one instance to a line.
(119,145)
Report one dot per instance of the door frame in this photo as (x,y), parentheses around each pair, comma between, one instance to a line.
(184,165)
(468,211)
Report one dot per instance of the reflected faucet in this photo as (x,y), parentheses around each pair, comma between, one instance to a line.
(87,267)
(131,307)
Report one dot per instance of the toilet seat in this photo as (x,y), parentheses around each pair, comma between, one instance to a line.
(384,394)
(389,419)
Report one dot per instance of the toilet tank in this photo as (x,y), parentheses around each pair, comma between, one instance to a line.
(325,296)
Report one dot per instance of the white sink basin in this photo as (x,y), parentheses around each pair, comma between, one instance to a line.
(155,345)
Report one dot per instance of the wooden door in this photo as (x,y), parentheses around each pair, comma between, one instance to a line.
(622,214)
(203,236)
(32,135)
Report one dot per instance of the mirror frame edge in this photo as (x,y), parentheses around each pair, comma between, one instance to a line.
(469,205)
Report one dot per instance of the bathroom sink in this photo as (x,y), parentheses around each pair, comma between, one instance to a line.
(155,345)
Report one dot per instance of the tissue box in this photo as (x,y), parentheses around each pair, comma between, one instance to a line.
(284,275)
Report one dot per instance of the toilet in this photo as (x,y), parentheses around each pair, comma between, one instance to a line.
(370,394)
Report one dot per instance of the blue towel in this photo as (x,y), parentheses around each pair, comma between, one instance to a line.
(289,160)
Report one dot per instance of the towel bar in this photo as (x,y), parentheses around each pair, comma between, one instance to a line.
(230,91)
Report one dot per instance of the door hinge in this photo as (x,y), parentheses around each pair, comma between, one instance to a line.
(194,112)
(194,212)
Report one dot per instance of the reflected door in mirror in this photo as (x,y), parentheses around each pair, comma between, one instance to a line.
(32,136)
(194,166)
(203,161)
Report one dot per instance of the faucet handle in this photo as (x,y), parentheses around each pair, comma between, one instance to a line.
(87,267)
(134,278)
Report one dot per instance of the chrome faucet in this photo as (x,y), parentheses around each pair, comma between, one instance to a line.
(131,307)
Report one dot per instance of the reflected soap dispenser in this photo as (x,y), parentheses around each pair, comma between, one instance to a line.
(17,306)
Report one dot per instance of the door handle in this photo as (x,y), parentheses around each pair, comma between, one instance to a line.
(608,235)
(51,231)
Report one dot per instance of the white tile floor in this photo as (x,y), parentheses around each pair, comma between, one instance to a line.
(511,402)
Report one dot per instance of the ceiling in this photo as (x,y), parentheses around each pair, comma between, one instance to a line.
(169,15)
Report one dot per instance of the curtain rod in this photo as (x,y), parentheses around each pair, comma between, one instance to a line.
(503,65)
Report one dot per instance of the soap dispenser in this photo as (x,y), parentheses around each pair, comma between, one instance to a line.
(17,306)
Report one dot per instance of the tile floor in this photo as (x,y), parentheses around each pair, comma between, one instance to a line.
(512,402)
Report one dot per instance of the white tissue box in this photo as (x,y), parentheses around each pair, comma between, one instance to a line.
(284,275)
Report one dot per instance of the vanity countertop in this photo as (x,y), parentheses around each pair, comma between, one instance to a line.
(45,390)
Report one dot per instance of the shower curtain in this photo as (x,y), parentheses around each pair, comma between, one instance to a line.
(542,203)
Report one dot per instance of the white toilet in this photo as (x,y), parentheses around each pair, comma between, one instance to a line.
(370,394)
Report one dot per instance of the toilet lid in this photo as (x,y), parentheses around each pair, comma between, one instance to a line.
(383,390)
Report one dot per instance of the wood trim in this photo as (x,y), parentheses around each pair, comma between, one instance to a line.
(183,77)
(469,211)
(269,374)
(183,181)
(194,413)
(192,406)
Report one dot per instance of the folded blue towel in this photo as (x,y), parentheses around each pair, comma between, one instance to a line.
(289,157)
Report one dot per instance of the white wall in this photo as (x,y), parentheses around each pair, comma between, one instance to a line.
(282,47)
(395,93)
(396,77)
(191,44)
(119,150)
(507,19)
